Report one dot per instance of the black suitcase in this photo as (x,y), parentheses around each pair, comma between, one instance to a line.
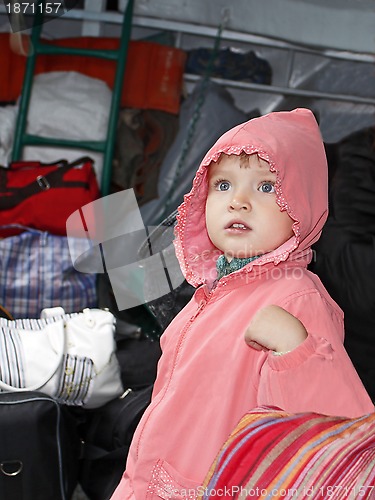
(39,448)
(108,433)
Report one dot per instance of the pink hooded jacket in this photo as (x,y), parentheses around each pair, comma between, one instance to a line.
(208,378)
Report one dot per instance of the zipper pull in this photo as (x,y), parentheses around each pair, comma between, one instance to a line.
(201,305)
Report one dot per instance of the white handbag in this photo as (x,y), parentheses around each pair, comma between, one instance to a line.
(70,357)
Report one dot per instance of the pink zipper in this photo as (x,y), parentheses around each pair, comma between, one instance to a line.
(184,331)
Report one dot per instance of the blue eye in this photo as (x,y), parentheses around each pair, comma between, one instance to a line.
(222,185)
(267,187)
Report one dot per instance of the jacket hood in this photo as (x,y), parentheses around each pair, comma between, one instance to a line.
(291,143)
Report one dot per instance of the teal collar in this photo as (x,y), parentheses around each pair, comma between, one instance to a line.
(224,267)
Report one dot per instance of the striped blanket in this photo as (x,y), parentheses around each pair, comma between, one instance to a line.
(273,454)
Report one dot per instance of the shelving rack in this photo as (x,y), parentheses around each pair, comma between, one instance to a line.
(93,16)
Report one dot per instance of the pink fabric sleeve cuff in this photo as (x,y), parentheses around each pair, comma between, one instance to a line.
(311,346)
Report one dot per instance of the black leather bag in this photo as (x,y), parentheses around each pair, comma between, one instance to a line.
(39,448)
(108,433)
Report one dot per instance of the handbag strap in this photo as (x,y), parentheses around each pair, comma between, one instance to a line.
(22,228)
(59,358)
(20,165)
(55,178)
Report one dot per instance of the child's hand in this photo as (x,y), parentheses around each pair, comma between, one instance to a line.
(273,328)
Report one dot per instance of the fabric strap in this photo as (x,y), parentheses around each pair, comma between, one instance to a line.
(11,197)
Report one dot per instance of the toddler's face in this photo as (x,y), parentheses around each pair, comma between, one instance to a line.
(242,216)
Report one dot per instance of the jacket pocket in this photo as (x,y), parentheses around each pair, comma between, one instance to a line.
(167,484)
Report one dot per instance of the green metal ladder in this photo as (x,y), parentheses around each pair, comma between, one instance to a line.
(38,48)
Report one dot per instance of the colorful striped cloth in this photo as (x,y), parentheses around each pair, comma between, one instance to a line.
(273,454)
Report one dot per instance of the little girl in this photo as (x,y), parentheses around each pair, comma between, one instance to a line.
(260,329)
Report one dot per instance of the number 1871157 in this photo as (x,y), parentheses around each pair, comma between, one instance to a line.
(33,8)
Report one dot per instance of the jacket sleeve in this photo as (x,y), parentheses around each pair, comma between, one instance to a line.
(318,375)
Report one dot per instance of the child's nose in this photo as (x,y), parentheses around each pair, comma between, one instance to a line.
(240,202)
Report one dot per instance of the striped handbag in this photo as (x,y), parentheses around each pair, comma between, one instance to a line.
(274,454)
(70,357)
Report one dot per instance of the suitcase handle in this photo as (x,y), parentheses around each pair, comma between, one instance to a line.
(11,467)
(60,353)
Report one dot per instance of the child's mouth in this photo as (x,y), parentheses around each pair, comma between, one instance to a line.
(237,227)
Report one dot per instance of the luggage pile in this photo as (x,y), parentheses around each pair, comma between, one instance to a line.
(69,400)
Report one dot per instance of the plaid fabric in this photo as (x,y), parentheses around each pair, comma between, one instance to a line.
(36,272)
(273,454)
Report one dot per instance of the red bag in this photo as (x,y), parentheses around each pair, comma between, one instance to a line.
(42,196)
